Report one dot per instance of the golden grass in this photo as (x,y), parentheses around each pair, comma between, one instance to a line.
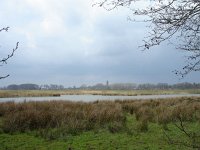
(41,93)
(82,116)
(56,114)
(164,111)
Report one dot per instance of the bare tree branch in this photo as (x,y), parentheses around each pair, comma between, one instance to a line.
(176,21)
(3,77)
(182,128)
(4,60)
(192,137)
(4,29)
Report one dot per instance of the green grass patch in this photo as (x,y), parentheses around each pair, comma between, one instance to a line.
(23,141)
(128,139)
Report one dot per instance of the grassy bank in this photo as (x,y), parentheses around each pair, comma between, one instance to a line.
(101,140)
(147,124)
(42,93)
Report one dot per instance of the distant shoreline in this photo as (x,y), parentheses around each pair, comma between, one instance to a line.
(56,93)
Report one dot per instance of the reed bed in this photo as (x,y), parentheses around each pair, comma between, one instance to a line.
(182,113)
(75,117)
(173,110)
(70,116)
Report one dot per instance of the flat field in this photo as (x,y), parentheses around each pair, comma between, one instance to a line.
(40,93)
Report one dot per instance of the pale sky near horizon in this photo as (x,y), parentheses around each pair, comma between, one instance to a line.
(69,42)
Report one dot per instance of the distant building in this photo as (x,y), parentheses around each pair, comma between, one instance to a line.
(107,83)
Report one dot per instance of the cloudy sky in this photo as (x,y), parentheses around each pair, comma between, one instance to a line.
(70,42)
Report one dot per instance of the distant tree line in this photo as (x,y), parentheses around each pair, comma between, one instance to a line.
(101,86)
(184,85)
(145,86)
(51,87)
(33,87)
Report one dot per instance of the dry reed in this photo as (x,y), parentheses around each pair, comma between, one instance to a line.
(79,116)
(55,114)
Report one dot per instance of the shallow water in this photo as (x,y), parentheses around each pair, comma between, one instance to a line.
(89,98)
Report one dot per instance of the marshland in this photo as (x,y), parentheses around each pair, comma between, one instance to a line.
(100,75)
(172,123)
(45,93)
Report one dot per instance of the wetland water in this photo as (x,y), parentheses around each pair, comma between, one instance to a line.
(89,98)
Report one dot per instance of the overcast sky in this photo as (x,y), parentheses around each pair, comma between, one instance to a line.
(69,42)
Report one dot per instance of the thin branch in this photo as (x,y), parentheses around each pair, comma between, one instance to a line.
(4,77)
(173,18)
(4,60)
(4,29)
(181,127)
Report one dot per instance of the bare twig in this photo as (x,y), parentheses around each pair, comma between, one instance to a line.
(4,60)
(168,19)
(4,29)
(3,77)
(192,137)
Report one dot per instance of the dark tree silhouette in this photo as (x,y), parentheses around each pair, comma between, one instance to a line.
(5,59)
(177,19)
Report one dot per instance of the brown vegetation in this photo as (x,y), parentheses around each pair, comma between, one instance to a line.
(56,118)
(43,93)
(164,111)
(52,114)
(181,112)
(55,114)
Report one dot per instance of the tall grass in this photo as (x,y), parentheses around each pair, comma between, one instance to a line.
(56,118)
(56,114)
(164,111)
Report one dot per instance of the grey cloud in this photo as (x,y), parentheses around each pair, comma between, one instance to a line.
(84,49)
